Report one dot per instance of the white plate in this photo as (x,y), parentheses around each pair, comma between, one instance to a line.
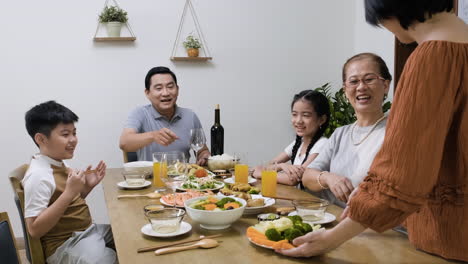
(327,218)
(184,228)
(170,205)
(231,180)
(219,185)
(256,210)
(124,185)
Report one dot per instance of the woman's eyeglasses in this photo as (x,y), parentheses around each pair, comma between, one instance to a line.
(369,79)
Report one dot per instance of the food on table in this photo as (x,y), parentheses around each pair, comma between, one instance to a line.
(190,169)
(255,202)
(284,210)
(267,217)
(232,189)
(214,204)
(243,190)
(279,233)
(205,183)
(180,198)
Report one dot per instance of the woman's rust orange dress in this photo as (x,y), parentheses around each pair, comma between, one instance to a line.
(421,171)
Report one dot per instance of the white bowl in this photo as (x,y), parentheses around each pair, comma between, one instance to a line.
(215,220)
(145,167)
(221,164)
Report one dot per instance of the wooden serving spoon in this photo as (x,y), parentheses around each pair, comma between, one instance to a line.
(153,195)
(204,243)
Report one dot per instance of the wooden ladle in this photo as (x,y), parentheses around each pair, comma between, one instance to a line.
(153,195)
(204,243)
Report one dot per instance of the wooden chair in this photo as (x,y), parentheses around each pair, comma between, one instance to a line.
(8,249)
(34,251)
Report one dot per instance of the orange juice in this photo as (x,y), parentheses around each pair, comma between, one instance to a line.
(241,171)
(269,183)
(157,182)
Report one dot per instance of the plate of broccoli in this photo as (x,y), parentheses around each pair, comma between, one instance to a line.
(283,230)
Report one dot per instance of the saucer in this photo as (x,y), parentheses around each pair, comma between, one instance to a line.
(327,218)
(184,228)
(124,185)
(231,180)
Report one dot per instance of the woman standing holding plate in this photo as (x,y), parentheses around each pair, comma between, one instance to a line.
(420,175)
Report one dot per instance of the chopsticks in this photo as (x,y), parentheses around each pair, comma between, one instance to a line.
(147,249)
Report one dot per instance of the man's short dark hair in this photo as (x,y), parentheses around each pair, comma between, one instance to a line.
(406,11)
(43,118)
(158,70)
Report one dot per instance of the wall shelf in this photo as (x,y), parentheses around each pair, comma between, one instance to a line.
(102,39)
(191,58)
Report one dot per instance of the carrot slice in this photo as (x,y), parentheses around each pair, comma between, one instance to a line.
(209,207)
(233,205)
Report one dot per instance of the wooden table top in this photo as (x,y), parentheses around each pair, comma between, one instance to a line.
(127,218)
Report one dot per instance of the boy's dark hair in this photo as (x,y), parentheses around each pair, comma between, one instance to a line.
(43,118)
(406,11)
(158,70)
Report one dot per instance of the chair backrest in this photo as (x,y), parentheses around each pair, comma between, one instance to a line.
(34,250)
(129,156)
(8,249)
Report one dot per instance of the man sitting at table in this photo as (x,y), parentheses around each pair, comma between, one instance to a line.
(161,126)
(55,208)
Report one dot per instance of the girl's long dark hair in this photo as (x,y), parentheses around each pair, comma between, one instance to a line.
(320,104)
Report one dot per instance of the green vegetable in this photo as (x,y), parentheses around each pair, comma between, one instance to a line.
(273,234)
(224,201)
(291,233)
(295,219)
(254,190)
(199,207)
(299,227)
(307,227)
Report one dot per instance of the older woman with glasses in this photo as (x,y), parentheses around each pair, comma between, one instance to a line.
(344,162)
(420,175)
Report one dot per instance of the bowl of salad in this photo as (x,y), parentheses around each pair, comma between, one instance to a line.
(215,212)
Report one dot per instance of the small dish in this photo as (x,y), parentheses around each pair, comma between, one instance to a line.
(232,180)
(124,185)
(267,217)
(327,218)
(184,228)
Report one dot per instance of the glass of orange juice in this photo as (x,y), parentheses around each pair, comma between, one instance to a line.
(241,169)
(269,175)
(159,170)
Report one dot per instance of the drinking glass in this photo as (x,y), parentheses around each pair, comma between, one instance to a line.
(176,170)
(241,169)
(159,171)
(197,140)
(269,177)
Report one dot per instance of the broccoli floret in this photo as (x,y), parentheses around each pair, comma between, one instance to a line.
(307,228)
(295,219)
(224,201)
(300,228)
(273,235)
(291,233)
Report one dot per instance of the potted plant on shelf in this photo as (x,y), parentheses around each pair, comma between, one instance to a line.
(113,17)
(192,44)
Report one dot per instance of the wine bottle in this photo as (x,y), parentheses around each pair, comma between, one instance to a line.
(217,135)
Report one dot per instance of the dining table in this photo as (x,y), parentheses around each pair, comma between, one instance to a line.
(127,218)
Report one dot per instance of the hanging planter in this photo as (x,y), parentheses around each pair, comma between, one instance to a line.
(192,45)
(113,17)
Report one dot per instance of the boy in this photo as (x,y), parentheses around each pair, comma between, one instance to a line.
(55,209)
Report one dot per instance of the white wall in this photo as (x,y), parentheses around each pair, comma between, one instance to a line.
(264,51)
